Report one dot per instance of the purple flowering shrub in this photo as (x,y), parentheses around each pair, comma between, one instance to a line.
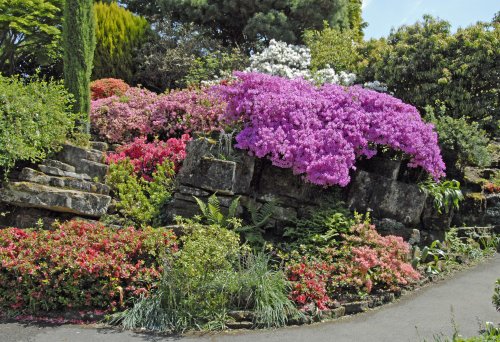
(139,112)
(319,132)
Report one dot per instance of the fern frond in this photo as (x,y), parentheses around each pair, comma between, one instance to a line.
(233,207)
(201,205)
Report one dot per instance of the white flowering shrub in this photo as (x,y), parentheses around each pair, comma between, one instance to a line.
(293,61)
(281,59)
(377,86)
(328,75)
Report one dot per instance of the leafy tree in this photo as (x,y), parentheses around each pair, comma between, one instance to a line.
(461,143)
(165,60)
(216,65)
(79,45)
(425,63)
(332,47)
(29,35)
(356,23)
(237,22)
(119,33)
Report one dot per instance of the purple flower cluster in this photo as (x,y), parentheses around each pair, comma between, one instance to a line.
(319,132)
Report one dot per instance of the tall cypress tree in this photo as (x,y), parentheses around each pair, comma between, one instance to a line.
(79,45)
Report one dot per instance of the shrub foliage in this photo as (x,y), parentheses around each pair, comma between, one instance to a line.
(79,265)
(35,118)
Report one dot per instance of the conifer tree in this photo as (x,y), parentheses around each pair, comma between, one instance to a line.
(79,45)
(119,34)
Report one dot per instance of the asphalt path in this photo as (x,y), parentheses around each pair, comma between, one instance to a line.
(462,301)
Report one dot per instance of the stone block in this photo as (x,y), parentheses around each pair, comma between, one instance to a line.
(356,307)
(384,167)
(32,195)
(50,170)
(34,176)
(386,198)
(60,165)
(212,174)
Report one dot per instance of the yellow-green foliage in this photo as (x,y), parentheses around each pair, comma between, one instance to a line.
(332,47)
(119,34)
(356,23)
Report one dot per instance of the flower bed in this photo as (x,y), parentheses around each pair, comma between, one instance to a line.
(79,265)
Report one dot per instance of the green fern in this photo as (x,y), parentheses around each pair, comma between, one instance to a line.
(254,232)
(211,211)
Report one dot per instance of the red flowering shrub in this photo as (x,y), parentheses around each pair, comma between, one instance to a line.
(364,261)
(146,156)
(107,87)
(309,283)
(79,265)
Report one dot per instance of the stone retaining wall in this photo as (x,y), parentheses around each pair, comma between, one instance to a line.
(397,207)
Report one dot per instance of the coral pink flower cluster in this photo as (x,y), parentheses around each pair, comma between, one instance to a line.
(319,132)
(145,156)
(139,112)
(364,261)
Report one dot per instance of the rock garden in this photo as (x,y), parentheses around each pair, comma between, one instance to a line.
(164,174)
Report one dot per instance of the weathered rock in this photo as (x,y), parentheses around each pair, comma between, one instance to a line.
(432,220)
(245,168)
(26,194)
(291,189)
(34,176)
(93,169)
(99,146)
(50,170)
(387,198)
(384,167)
(387,226)
(84,160)
(356,307)
(60,165)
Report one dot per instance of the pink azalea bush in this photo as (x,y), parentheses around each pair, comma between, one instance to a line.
(319,132)
(146,156)
(120,119)
(364,261)
(139,112)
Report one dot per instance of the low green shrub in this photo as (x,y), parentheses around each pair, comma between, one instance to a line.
(80,265)
(140,201)
(35,119)
(462,143)
(209,276)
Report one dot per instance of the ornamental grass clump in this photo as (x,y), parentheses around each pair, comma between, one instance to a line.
(319,132)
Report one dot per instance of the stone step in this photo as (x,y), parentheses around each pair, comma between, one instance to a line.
(54,171)
(99,146)
(32,195)
(85,161)
(73,154)
(93,169)
(59,164)
(34,176)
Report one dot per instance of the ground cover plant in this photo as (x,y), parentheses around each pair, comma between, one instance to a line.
(79,265)
(341,257)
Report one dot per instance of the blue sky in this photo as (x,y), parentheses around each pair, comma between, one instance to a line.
(382,15)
